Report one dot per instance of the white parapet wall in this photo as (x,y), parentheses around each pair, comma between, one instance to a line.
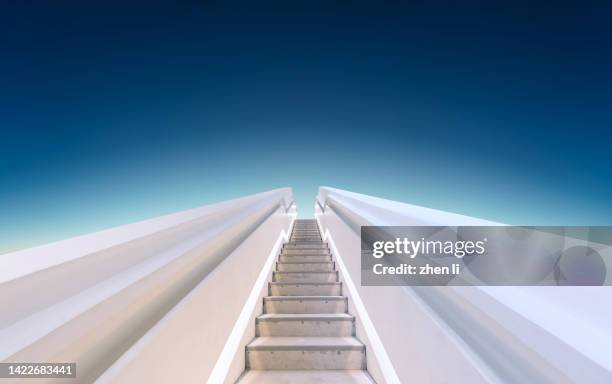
(464,334)
(154,301)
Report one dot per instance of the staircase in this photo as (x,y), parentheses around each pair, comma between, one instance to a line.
(305,334)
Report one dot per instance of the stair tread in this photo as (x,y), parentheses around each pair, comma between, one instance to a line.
(306,316)
(305,283)
(274,342)
(293,298)
(306,244)
(313,240)
(306,377)
(306,249)
(305,254)
(318,243)
(305,262)
(305,271)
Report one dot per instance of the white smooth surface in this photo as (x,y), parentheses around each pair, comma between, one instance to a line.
(305,377)
(559,333)
(102,297)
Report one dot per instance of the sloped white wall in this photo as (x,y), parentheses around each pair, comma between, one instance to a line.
(89,299)
(469,334)
(184,346)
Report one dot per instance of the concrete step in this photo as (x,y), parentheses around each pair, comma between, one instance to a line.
(284,353)
(305,289)
(304,277)
(306,377)
(305,239)
(305,245)
(297,250)
(307,324)
(304,258)
(305,304)
(311,266)
(305,251)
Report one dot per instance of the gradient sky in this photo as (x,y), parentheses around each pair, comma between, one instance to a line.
(117,112)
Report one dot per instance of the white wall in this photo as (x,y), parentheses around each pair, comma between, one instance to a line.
(420,348)
(184,346)
(89,299)
(470,334)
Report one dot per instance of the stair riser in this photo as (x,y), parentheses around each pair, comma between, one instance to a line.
(305,245)
(304,251)
(305,277)
(305,267)
(298,328)
(305,290)
(305,306)
(307,258)
(306,359)
(306,239)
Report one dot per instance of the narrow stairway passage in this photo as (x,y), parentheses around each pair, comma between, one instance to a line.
(305,333)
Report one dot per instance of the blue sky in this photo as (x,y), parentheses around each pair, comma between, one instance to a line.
(116,112)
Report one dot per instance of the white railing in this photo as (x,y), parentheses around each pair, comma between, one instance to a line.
(144,301)
(464,334)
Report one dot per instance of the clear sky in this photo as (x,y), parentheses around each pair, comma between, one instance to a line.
(113,112)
